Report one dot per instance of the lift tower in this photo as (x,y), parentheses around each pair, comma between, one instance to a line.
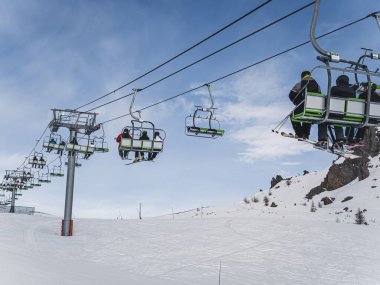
(76,122)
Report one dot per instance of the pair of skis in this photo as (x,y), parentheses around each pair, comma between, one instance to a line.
(345,151)
(139,160)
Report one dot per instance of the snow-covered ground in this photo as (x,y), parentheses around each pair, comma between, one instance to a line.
(255,244)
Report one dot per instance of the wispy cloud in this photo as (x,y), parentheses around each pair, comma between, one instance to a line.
(260,103)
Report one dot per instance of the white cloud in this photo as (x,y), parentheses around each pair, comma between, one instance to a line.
(262,102)
(290,163)
(10,161)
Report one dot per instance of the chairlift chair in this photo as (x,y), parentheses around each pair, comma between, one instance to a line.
(202,123)
(136,129)
(53,142)
(100,144)
(57,171)
(35,182)
(37,160)
(88,147)
(44,178)
(78,162)
(323,108)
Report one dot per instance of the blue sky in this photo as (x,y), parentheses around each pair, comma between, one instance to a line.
(61,54)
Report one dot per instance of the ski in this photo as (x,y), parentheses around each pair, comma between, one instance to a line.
(288,135)
(137,161)
(345,152)
(353,146)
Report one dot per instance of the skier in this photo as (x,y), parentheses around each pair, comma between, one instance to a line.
(60,150)
(297,96)
(42,162)
(91,144)
(343,90)
(51,141)
(35,161)
(125,134)
(157,138)
(375,97)
(143,137)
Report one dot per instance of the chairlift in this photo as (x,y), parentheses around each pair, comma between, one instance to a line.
(54,142)
(44,178)
(100,144)
(57,171)
(323,108)
(37,160)
(35,182)
(202,123)
(83,146)
(139,127)
(78,162)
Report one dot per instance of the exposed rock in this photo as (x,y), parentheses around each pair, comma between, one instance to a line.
(345,209)
(342,174)
(327,200)
(315,191)
(350,169)
(305,172)
(276,180)
(273,205)
(347,199)
(371,144)
(374,186)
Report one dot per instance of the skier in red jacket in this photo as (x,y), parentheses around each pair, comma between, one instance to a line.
(125,135)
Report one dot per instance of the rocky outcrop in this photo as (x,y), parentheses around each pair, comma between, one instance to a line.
(348,198)
(351,169)
(327,200)
(371,144)
(276,180)
(342,174)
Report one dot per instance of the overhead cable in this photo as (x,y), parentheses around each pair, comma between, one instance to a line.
(244,68)
(206,57)
(179,54)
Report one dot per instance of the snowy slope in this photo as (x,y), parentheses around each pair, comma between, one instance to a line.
(290,194)
(255,244)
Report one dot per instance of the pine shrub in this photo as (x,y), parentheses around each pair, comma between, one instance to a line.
(266,201)
(359,217)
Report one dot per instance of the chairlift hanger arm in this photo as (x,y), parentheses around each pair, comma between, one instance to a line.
(372,55)
(211,97)
(376,15)
(135,91)
(318,48)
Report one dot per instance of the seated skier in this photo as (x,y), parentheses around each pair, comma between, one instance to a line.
(297,96)
(51,141)
(343,90)
(157,138)
(144,137)
(375,97)
(125,134)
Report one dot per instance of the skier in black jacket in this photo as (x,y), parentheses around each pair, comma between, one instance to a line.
(144,137)
(375,97)
(297,96)
(343,90)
